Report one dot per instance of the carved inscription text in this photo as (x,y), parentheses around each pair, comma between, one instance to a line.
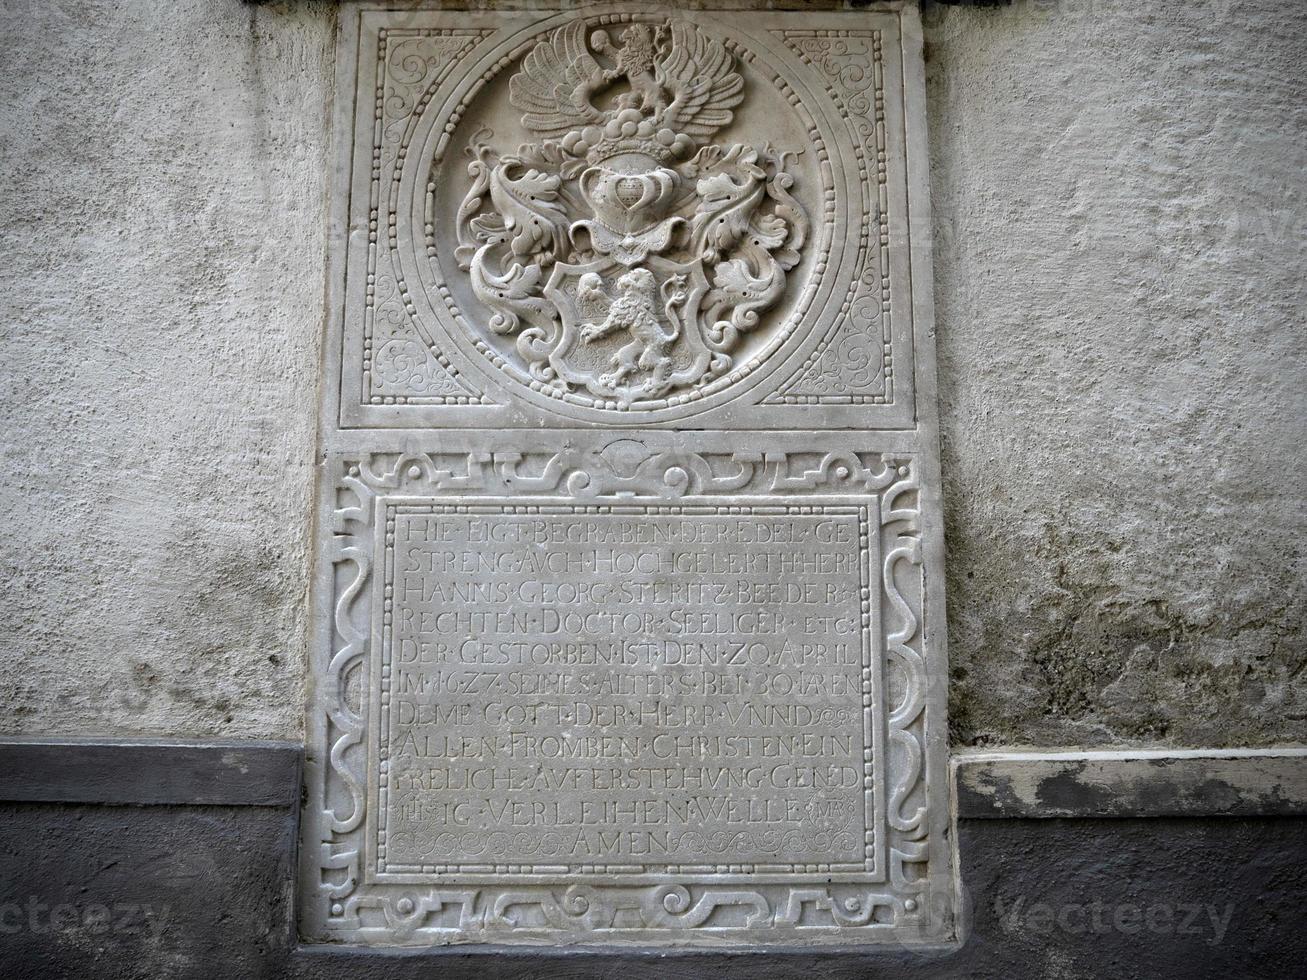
(570,686)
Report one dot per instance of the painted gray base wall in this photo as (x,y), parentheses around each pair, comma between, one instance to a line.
(175,888)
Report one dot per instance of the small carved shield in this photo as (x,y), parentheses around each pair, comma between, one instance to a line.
(630,334)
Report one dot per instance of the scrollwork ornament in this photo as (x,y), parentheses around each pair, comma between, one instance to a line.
(626,252)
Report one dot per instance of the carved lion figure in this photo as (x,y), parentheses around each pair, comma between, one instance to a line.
(635,311)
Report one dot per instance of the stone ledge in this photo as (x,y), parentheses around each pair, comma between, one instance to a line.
(209,897)
(1166,783)
(149,772)
(988,785)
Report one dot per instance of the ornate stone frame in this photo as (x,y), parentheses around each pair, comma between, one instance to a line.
(894,895)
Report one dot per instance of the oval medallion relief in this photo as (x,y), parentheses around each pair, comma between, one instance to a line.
(623,214)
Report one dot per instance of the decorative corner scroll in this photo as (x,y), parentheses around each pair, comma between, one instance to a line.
(399,366)
(853,361)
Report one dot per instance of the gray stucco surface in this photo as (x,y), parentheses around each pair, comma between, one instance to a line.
(164,171)
(1119,254)
(125,892)
(1120,297)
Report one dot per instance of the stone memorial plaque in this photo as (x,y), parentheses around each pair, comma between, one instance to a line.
(629,613)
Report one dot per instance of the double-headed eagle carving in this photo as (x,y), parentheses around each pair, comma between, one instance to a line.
(621,222)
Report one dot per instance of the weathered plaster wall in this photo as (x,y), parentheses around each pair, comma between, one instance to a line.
(1119,262)
(1121,244)
(164,171)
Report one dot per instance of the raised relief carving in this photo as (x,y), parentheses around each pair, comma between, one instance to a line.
(626,252)
(445,835)
(803,324)
(853,362)
(399,367)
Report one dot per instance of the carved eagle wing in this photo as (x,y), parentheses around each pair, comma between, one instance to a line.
(553,88)
(700,76)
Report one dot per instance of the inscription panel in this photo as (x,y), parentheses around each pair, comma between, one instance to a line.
(630,693)
(585,688)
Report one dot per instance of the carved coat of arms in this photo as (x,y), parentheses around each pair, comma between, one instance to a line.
(625,252)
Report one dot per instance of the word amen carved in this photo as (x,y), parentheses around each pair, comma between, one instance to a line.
(625,251)
(628,608)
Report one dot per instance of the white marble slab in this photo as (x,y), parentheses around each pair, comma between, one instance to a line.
(629,621)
